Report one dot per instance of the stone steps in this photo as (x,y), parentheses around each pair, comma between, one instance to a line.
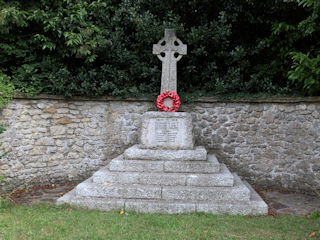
(224,178)
(138,191)
(255,206)
(210,165)
(166,181)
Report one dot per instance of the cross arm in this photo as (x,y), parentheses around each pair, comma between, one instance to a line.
(157,49)
(180,47)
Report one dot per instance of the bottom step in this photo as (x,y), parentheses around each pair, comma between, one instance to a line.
(256,206)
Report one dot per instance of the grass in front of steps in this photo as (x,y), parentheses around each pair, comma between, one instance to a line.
(48,221)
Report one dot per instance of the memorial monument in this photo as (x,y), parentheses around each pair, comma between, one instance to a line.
(166,172)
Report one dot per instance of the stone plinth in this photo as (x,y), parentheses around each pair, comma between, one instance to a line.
(162,180)
(167,130)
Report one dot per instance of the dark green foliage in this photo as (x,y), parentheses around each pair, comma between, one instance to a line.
(293,38)
(305,72)
(95,48)
(7,91)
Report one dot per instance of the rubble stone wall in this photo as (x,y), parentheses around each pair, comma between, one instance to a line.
(271,143)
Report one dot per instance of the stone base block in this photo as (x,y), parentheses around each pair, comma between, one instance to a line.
(135,152)
(161,191)
(167,130)
(256,206)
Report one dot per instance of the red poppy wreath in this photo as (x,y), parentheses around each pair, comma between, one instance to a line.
(175,101)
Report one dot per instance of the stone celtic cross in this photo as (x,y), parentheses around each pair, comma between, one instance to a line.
(169,50)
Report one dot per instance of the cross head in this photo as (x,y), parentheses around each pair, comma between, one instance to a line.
(169,50)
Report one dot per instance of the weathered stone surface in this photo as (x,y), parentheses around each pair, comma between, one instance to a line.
(253,207)
(167,130)
(64,121)
(88,142)
(210,166)
(104,175)
(135,152)
(105,204)
(225,178)
(120,165)
(58,130)
(239,191)
(50,110)
(89,189)
(46,141)
(256,206)
(165,179)
(151,206)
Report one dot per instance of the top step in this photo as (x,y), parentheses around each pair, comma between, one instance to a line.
(199,153)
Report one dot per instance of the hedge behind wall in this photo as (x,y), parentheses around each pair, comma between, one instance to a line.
(95,48)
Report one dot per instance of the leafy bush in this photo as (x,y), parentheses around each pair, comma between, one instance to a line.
(306,72)
(292,36)
(95,47)
(7,91)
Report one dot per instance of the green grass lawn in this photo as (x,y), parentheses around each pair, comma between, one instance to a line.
(62,222)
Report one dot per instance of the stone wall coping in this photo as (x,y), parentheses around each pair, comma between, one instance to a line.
(199,100)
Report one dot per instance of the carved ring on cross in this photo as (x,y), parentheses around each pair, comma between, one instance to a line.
(167,48)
